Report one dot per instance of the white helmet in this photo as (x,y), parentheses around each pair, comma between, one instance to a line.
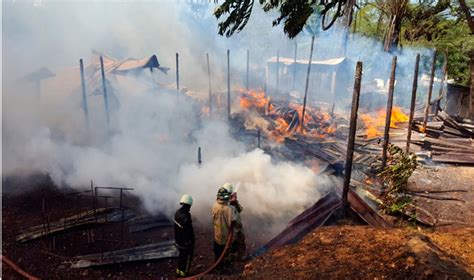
(186,199)
(229,188)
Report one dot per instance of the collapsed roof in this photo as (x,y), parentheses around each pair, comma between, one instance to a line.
(124,66)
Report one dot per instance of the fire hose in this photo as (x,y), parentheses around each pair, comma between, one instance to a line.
(18,269)
(212,267)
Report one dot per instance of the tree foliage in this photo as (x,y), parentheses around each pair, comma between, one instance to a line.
(292,13)
(440,24)
(427,23)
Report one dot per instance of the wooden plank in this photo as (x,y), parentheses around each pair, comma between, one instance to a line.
(365,212)
(446,143)
(468,159)
(73,221)
(157,250)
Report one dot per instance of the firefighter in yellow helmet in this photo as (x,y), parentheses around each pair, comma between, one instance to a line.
(224,217)
(184,235)
(239,240)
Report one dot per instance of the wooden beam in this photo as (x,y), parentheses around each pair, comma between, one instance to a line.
(177,71)
(106,101)
(352,133)
(430,90)
(443,80)
(84,96)
(388,117)
(413,100)
(307,82)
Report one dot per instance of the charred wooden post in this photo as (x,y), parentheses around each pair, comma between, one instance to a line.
(122,214)
(443,80)
(413,100)
(278,71)
(228,83)
(258,138)
(177,71)
(332,109)
(430,90)
(307,82)
(294,66)
(210,86)
(106,101)
(199,156)
(388,117)
(247,73)
(84,96)
(268,107)
(352,133)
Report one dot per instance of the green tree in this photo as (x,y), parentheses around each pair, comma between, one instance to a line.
(292,13)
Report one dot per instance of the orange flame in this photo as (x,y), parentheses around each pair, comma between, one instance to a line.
(317,124)
(374,124)
(253,98)
(205,111)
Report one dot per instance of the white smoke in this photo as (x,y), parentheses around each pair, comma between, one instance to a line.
(156,132)
(154,150)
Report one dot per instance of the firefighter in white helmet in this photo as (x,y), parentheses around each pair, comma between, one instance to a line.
(184,235)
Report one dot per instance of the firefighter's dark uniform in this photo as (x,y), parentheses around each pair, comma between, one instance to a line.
(184,238)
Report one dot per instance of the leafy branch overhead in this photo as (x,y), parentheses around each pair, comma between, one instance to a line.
(292,13)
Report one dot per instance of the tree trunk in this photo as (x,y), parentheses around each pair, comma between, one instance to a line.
(467,12)
(471,109)
(392,37)
(348,13)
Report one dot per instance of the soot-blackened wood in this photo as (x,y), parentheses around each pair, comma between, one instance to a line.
(199,155)
(352,133)
(258,138)
(386,135)
(430,89)
(106,101)
(177,71)
(84,96)
(413,100)
(307,83)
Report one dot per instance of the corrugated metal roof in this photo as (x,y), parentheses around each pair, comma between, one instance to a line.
(291,61)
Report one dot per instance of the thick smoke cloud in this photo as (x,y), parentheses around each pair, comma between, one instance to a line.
(155,131)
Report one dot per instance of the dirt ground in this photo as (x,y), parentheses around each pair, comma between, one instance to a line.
(446,182)
(334,252)
(360,252)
